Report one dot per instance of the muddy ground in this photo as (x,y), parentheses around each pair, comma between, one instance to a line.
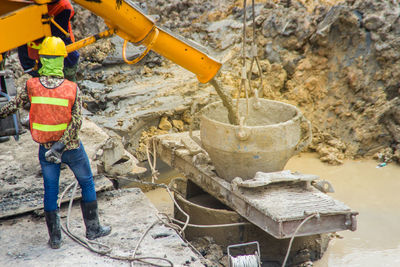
(338,61)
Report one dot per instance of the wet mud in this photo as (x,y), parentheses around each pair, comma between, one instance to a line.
(227,102)
(370,190)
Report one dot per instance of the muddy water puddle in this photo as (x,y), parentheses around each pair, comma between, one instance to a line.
(373,192)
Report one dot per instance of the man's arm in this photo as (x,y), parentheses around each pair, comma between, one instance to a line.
(14,104)
(76,121)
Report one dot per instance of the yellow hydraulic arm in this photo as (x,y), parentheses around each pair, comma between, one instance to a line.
(21,22)
(122,18)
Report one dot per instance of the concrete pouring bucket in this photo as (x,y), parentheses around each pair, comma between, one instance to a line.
(273,133)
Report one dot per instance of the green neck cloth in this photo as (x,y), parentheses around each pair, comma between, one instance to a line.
(52,66)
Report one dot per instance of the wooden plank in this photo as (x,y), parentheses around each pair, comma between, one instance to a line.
(277,209)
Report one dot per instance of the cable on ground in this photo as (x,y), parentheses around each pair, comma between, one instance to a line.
(294,234)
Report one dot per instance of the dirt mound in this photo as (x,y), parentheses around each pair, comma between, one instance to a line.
(338,63)
(336,60)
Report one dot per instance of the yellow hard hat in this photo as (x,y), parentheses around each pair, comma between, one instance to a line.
(53,46)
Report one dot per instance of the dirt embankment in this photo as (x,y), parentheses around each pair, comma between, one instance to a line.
(336,60)
(338,63)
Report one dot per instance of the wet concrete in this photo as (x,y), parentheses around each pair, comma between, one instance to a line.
(227,102)
(374,193)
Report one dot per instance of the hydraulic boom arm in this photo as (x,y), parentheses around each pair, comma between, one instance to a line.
(121,16)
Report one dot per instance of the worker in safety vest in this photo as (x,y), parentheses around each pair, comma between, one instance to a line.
(55,120)
(62,11)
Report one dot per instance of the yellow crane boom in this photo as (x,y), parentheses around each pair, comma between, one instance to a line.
(24,21)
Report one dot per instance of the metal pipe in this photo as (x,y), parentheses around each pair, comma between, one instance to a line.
(89,40)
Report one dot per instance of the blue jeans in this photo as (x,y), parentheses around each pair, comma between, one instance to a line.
(78,161)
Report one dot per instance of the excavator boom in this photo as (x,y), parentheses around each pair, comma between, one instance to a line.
(122,17)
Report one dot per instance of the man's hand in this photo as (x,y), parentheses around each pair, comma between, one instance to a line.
(55,153)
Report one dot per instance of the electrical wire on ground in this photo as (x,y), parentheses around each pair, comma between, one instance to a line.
(167,220)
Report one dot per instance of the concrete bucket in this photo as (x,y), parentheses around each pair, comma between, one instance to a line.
(272,134)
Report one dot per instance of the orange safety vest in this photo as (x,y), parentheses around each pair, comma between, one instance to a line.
(51,109)
(53,10)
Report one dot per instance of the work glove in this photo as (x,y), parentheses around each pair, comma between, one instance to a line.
(55,152)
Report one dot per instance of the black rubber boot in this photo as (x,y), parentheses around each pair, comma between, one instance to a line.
(91,219)
(54,227)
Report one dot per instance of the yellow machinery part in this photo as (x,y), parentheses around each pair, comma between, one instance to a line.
(8,6)
(21,22)
(43,1)
(135,27)
(22,25)
(88,40)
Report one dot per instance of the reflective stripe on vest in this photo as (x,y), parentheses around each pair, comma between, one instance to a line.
(51,109)
(49,101)
(49,128)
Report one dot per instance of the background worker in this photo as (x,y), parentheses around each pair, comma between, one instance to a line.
(63,12)
(55,120)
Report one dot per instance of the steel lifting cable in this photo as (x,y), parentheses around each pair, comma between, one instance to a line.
(254,58)
(243,78)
